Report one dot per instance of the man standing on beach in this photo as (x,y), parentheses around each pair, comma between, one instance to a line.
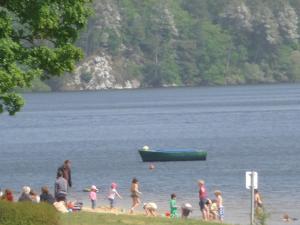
(65,169)
(203,199)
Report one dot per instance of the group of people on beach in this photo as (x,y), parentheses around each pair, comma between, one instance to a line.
(62,184)
(211,209)
(28,194)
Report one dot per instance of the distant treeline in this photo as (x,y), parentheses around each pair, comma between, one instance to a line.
(198,42)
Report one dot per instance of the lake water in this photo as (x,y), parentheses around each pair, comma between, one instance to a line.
(242,128)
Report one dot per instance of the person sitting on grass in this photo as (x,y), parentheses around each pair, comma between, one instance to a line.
(60,188)
(46,196)
(112,194)
(173,206)
(150,208)
(34,197)
(25,195)
(60,206)
(8,195)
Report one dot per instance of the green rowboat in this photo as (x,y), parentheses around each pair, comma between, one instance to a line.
(148,155)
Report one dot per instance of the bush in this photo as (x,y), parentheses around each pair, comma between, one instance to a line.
(28,213)
(261,216)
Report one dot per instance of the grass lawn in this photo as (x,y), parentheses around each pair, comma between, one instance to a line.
(84,218)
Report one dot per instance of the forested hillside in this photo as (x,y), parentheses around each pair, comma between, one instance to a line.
(153,43)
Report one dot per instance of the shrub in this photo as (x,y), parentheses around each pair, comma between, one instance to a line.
(261,216)
(28,213)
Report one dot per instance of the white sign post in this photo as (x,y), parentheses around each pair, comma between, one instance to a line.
(252,183)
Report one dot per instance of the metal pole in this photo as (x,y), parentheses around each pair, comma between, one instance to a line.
(252,198)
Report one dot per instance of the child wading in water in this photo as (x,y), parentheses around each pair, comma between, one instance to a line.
(93,196)
(173,206)
(135,194)
(112,194)
(220,206)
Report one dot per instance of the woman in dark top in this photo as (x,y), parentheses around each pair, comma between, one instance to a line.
(46,196)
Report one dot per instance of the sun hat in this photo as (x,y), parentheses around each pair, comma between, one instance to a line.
(93,187)
(26,190)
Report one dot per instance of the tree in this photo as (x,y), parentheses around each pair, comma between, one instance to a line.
(36,40)
(214,46)
(295,66)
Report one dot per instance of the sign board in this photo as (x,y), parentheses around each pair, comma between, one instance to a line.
(248,179)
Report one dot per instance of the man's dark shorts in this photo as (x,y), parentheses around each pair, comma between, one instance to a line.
(202,204)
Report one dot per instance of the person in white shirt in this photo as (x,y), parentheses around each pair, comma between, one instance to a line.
(112,195)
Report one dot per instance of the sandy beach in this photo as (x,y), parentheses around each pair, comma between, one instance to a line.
(105,209)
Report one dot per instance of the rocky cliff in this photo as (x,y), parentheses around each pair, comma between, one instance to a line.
(100,69)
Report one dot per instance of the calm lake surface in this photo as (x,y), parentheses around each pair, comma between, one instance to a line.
(242,128)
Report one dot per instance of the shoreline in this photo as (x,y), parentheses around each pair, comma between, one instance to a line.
(108,210)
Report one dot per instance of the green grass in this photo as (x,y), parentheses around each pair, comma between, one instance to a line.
(84,218)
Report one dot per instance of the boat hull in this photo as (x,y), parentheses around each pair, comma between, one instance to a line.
(152,156)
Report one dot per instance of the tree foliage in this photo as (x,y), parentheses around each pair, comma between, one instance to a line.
(159,43)
(36,40)
(200,42)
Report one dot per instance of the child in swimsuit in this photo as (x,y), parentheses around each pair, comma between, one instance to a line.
(220,206)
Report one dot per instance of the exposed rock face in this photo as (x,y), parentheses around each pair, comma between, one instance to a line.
(99,71)
(96,73)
